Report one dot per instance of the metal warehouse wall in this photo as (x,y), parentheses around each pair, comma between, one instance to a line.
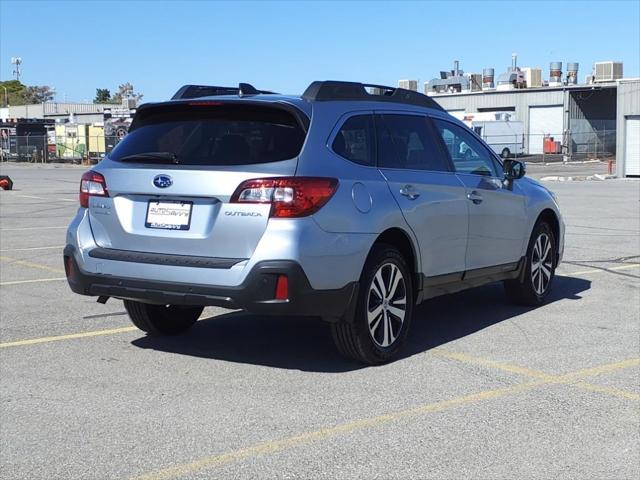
(26,111)
(592,117)
(521,101)
(55,109)
(628,105)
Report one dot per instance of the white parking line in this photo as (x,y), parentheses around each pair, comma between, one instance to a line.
(30,248)
(30,196)
(37,280)
(30,228)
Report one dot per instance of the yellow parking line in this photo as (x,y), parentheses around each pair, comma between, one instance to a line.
(297,440)
(191,468)
(611,367)
(568,379)
(603,270)
(36,280)
(614,392)
(464,358)
(25,263)
(71,336)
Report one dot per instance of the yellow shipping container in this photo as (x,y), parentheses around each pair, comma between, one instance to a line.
(71,141)
(96,141)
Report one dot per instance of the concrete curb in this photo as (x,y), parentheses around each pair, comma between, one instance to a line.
(596,177)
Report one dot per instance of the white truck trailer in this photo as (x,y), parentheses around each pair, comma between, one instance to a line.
(506,138)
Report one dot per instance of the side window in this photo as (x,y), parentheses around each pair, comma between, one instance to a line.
(355,141)
(467,153)
(405,141)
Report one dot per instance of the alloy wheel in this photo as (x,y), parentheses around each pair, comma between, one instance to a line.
(541,264)
(386,304)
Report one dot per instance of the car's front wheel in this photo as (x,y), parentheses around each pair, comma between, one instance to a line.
(162,319)
(540,264)
(383,313)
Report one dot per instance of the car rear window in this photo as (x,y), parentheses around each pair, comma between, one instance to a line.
(213,134)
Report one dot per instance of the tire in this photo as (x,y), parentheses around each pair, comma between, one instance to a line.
(506,153)
(390,322)
(162,319)
(535,283)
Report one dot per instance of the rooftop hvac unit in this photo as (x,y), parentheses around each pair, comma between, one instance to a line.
(408,84)
(533,77)
(607,71)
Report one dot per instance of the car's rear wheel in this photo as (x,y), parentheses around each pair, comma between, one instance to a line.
(534,285)
(162,319)
(384,308)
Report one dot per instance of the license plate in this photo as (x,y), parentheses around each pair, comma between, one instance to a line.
(169,215)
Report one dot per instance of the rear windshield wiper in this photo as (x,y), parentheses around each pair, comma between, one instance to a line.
(156,157)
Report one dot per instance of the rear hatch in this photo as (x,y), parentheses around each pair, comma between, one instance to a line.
(169,181)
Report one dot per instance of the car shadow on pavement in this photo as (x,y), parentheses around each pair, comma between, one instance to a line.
(305,343)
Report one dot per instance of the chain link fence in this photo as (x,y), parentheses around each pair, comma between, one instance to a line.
(569,146)
(532,147)
(51,148)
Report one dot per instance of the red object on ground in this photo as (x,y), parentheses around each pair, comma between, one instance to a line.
(6,183)
(549,145)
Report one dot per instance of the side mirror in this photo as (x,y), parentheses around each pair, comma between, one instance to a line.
(513,169)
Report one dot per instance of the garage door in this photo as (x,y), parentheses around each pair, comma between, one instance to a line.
(544,121)
(632,146)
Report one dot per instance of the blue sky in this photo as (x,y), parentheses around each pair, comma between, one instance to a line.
(79,46)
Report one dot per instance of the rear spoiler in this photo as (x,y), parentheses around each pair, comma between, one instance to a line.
(197,91)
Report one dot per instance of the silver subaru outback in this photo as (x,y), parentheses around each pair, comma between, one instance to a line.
(351,202)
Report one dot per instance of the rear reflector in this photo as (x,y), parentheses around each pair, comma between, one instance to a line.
(68,267)
(282,288)
(290,197)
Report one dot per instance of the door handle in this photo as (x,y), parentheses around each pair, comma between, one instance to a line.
(409,191)
(475,197)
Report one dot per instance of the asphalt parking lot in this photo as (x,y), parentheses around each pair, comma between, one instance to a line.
(486,390)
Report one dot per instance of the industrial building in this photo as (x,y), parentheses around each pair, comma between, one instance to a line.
(628,128)
(63,131)
(597,119)
(82,113)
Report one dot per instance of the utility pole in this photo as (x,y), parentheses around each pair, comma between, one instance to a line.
(17,61)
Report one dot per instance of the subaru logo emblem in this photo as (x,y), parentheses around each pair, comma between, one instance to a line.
(162,181)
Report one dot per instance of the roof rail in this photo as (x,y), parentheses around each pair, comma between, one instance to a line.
(335,90)
(197,91)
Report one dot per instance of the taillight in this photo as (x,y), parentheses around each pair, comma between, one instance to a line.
(92,184)
(289,196)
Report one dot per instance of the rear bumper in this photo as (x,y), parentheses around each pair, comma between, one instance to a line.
(255,294)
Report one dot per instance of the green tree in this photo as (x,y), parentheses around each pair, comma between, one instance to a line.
(15,93)
(126,91)
(103,95)
(38,94)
